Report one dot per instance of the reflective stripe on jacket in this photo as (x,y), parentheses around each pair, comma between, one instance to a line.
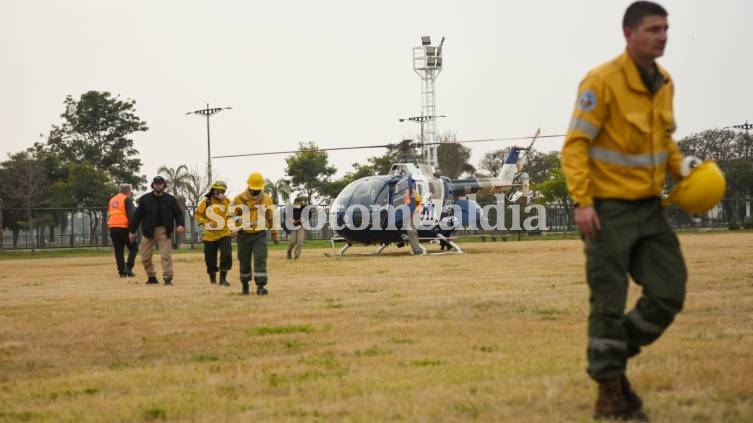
(619,144)
(219,208)
(117,215)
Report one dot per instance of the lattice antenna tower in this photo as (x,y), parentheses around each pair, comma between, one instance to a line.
(427,63)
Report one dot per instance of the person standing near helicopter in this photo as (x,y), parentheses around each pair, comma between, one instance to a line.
(412,199)
(615,158)
(217,236)
(296,232)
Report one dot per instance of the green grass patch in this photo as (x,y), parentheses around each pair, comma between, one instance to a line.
(155,413)
(426,363)
(279,330)
(543,313)
(19,416)
(203,358)
(466,408)
(371,352)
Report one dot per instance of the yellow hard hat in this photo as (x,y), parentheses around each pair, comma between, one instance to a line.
(700,191)
(219,184)
(255,181)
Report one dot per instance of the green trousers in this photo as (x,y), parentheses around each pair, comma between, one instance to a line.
(253,246)
(635,239)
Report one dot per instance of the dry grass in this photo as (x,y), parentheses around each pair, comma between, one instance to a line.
(497,334)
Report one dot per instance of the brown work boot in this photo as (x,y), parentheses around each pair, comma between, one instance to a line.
(633,403)
(610,403)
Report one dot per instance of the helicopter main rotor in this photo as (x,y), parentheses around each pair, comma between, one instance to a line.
(400,145)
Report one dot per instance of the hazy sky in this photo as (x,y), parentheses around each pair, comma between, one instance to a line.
(339,73)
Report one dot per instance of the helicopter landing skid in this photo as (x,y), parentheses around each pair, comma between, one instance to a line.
(443,240)
(452,248)
(345,248)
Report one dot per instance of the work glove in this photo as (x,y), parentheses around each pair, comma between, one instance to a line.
(688,163)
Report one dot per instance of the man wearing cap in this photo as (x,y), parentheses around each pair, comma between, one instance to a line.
(120,211)
(257,210)
(157,212)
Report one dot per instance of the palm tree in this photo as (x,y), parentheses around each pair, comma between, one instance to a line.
(176,179)
(279,190)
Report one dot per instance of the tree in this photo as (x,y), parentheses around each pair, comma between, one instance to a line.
(492,161)
(176,179)
(193,186)
(96,129)
(452,157)
(554,189)
(720,145)
(23,184)
(309,170)
(88,188)
(539,165)
(333,189)
(279,190)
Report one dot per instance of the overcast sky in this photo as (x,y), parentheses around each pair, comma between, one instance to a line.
(339,73)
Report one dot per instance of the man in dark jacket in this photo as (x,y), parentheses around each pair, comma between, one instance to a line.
(156,213)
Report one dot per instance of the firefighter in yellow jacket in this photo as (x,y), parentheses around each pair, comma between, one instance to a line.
(212,214)
(256,209)
(615,159)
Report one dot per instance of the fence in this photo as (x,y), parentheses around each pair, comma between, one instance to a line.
(67,228)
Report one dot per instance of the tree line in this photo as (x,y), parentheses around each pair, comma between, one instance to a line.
(85,157)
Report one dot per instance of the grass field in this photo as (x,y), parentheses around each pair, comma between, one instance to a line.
(497,334)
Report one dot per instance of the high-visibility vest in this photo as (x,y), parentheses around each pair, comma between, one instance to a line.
(416,198)
(116,211)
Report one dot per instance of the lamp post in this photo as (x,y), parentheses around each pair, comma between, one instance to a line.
(745,126)
(421,119)
(208,112)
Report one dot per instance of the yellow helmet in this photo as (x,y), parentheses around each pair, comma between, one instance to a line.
(700,191)
(219,184)
(255,181)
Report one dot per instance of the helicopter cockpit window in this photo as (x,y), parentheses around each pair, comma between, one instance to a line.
(344,198)
(370,192)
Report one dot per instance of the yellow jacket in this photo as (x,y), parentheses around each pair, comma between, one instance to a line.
(244,198)
(619,144)
(202,216)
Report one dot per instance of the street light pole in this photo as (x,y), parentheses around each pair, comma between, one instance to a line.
(208,112)
(421,119)
(745,126)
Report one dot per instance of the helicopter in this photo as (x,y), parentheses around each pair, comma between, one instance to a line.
(368,212)
(438,218)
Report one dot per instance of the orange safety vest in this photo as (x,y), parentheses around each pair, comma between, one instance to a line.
(416,197)
(116,212)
